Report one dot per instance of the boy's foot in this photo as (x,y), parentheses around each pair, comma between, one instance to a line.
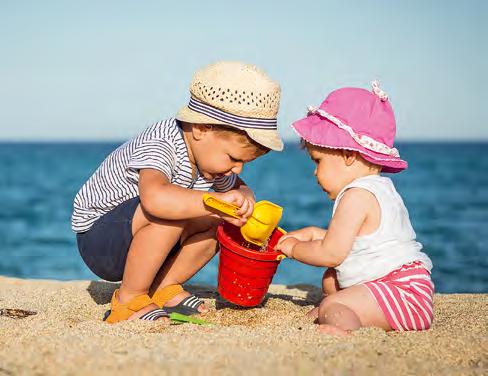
(143,311)
(173,298)
(333,330)
(202,308)
(129,307)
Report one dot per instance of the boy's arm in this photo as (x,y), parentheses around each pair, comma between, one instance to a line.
(162,199)
(339,238)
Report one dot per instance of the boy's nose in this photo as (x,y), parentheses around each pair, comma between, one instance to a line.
(237,169)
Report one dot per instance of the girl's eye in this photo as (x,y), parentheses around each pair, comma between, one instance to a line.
(232,158)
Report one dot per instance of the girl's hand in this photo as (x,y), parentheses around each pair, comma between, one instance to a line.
(286,246)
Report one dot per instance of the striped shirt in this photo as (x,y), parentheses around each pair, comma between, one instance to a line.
(160,147)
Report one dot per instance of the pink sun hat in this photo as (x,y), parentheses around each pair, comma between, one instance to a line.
(355,119)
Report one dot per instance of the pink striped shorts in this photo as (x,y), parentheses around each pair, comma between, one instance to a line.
(405,296)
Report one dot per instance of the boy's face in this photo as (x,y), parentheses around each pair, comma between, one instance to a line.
(216,153)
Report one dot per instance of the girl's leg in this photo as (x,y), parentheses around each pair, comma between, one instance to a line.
(349,309)
(152,240)
(329,286)
(198,246)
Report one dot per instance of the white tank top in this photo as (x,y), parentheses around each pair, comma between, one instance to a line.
(390,246)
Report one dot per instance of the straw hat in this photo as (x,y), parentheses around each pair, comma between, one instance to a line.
(237,95)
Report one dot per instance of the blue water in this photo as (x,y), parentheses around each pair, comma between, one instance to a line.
(445,190)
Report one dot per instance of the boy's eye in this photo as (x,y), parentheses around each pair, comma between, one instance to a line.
(233,159)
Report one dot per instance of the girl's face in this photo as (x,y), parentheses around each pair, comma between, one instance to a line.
(330,169)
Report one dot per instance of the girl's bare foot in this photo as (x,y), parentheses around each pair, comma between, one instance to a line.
(333,330)
(313,313)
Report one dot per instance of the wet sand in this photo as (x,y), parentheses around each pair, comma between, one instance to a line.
(66,336)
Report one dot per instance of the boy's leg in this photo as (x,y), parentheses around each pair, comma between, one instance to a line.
(330,286)
(198,246)
(153,239)
(349,309)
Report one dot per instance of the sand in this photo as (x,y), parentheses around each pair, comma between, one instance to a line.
(66,336)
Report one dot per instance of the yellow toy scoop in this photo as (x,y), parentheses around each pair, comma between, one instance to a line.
(258,228)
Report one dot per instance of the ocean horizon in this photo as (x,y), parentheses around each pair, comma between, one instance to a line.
(445,190)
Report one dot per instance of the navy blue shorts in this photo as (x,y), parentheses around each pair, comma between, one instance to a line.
(104,247)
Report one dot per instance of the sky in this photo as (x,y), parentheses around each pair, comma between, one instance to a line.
(104,70)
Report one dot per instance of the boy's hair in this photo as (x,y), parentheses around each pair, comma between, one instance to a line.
(242,137)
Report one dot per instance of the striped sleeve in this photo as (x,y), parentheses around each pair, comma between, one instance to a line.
(156,154)
(224,183)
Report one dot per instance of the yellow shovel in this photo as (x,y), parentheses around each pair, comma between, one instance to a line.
(259,227)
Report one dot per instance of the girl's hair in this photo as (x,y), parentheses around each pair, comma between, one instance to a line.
(304,144)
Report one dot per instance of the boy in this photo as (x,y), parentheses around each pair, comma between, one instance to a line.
(140,218)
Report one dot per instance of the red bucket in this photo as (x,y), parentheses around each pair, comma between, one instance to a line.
(245,273)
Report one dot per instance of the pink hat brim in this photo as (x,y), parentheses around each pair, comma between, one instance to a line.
(322,132)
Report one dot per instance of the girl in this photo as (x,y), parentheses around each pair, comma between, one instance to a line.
(377,274)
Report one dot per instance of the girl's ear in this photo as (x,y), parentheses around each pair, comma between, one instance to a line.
(200,130)
(349,157)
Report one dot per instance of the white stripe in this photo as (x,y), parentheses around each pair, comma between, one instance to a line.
(416,310)
(154,315)
(420,289)
(160,146)
(192,300)
(415,276)
(392,314)
(414,298)
(394,299)
(407,307)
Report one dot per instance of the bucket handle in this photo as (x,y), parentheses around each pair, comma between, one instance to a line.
(282,256)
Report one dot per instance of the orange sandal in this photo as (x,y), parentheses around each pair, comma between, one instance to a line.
(121,312)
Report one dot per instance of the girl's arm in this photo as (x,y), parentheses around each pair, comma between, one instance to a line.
(345,225)
(305,234)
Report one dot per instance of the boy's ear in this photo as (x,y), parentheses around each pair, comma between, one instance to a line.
(349,157)
(200,130)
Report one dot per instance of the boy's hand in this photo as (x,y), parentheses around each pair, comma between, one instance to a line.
(238,199)
(286,246)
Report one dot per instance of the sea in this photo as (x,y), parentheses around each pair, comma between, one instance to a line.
(445,190)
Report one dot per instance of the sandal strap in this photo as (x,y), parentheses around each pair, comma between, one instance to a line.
(162,295)
(154,315)
(192,301)
(188,306)
(121,312)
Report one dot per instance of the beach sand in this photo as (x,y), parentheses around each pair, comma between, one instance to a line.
(67,336)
